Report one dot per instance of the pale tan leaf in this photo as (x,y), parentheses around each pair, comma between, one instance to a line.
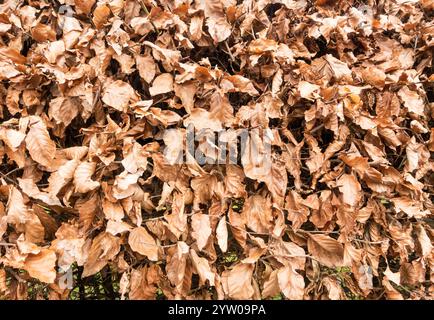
(221,109)
(147,68)
(83,177)
(238,83)
(32,190)
(41,148)
(117,227)
(291,283)
(12,138)
(17,212)
(69,249)
(62,176)
(140,286)
(202,119)
(237,223)
(177,265)
(222,234)
(271,285)
(234,179)
(327,250)
(64,110)
(103,249)
(118,95)
(425,242)
(134,158)
(201,229)
(124,284)
(142,242)
(87,210)
(411,207)
(186,92)
(43,32)
(34,230)
(167,56)
(162,84)
(258,213)
(412,101)
(3,286)
(334,288)
(393,276)
(218,26)
(112,210)
(42,265)
(202,268)
(350,189)
(237,282)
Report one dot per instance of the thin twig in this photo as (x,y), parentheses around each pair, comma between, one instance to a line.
(229,51)
(16,276)
(317,128)
(4,244)
(317,231)
(147,12)
(12,171)
(8,179)
(290,256)
(370,242)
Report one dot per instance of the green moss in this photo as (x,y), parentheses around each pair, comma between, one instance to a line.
(384,201)
(278,296)
(237,204)
(343,270)
(230,257)
(159,294)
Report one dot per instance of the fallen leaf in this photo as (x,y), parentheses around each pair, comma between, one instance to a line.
(327,250)
(201,229)
(142,242)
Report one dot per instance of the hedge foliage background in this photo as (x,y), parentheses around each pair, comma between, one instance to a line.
(330,197)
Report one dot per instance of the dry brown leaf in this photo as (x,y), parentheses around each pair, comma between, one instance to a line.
(118,95)
(237,223)
(162,84)
(141,285)
(326,250)
(12,138)
(43,32)
(257,211)
(117,227)
(104,248)
(350,189)
(202,268)
(234,178)
(216,149)
(222,234)
(216,21)
(100,15)
(3,286)
(62,176)
(291,283)
(41,148)
(237,282)
(84,6)
(64,110)
(146,66)
(177,266)
(142,242)
(201,229)
(83,177)
(42,265)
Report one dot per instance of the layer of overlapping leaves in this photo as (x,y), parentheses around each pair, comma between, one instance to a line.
(342,89)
